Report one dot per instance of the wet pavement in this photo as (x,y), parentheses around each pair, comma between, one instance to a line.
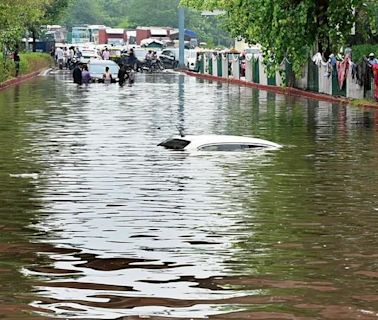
(98,222)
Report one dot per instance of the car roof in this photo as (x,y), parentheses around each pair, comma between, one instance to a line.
(199,140)
(102,62)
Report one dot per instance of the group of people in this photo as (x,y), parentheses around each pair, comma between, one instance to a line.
(64,57)
(373,62)
(81,75)
(151,56)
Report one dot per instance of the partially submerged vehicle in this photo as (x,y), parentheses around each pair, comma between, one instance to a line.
(97,67)
(216,143)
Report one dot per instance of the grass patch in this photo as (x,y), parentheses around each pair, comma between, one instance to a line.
(29,62)
(362,102)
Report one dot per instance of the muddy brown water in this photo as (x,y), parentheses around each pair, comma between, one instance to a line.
(98,222)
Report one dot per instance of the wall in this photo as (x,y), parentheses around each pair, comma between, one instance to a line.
(322,75)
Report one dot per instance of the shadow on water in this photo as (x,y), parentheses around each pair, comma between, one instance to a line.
(97,222)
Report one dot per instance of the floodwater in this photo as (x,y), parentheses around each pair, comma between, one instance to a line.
(98,222)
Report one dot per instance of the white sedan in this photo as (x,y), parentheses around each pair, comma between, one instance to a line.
(97,67)
(216,143)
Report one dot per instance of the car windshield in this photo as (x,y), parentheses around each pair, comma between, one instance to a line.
(176,144)
(229,147)
(168,53)
(100,68)
(86,53)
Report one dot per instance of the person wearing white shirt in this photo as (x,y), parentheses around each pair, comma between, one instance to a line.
(106,54)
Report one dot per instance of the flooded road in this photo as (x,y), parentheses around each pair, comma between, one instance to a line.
(98,222)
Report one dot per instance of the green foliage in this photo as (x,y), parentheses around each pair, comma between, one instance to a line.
(19,15)
(30,62)
(6,68)
(288,28)
(34,61)
(367,23)
(54,10)
(84,12)
(153,13)
(110,13)
(362,50)
(125,24)
(133,13)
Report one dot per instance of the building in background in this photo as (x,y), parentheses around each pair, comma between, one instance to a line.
(112,36)
(131,36)
(156,33)
(80,35)
(94,32)
(56,32)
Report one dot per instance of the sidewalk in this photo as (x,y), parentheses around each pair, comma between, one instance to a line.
(20,79)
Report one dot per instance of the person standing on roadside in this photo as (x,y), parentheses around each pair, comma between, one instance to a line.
(16,59)
(372,59)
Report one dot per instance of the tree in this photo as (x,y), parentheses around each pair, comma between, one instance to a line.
(153,13)
(55,10)
(133,13)
(16,16)
(291,29)
(49,12)
(165,13)
(84,12)
(367,24)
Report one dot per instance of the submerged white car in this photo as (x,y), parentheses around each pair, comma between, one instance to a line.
(216,143)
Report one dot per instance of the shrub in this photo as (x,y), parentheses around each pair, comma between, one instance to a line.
(6,69)
(29,62)
(363,50)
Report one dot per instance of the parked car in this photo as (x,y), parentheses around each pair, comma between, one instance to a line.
(88,54)
(216,143)
(97,67)
(168,59)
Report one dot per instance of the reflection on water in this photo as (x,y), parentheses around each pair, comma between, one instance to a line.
(123,228)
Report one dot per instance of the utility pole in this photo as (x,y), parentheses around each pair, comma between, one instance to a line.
(181,15)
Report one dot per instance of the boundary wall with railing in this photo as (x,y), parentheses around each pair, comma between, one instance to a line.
(317,77)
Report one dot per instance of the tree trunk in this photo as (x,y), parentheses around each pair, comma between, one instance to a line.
(324,45)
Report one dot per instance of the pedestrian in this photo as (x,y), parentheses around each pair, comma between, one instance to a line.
(372,59)
(106,54)
(77,75)
(16,59)
(66,56)
(107,76)
(85,75)
(121,75)
(131,77)
(59,53)
(132,60)
(52,52)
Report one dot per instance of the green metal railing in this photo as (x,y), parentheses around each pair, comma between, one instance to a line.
(312,77)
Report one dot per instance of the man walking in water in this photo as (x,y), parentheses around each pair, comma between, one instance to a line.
(107,76)
(77,75)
